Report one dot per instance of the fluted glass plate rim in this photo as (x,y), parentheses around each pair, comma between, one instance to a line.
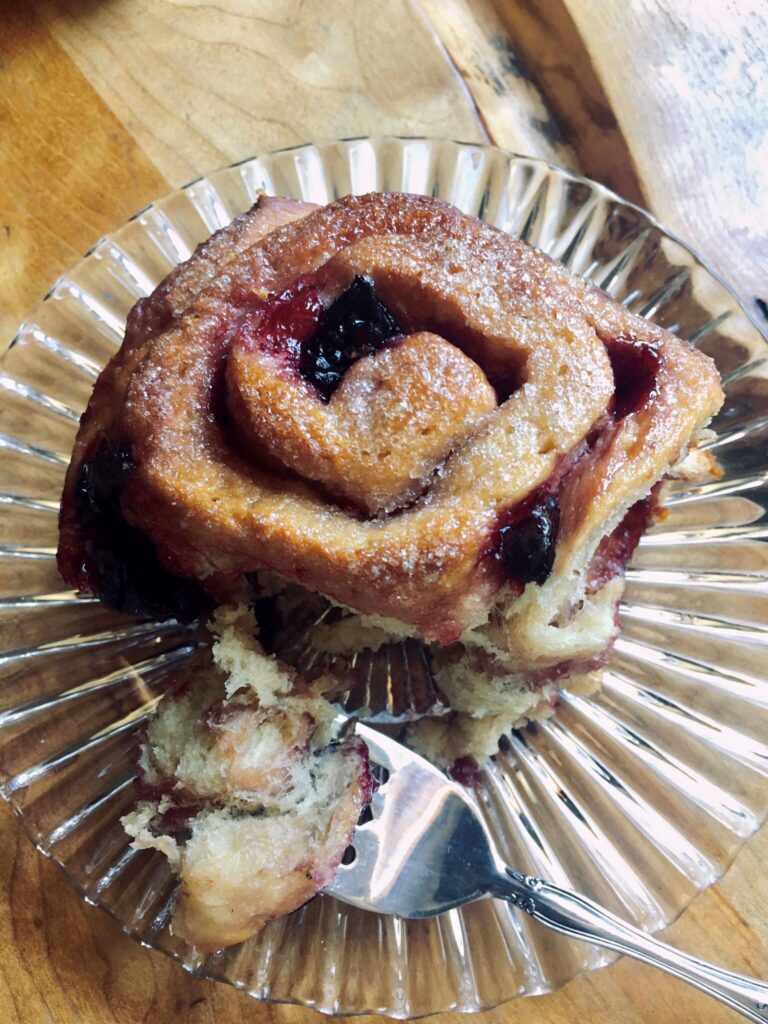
(597,188)
(592,183)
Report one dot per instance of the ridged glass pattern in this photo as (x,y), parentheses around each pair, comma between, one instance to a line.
(638,796)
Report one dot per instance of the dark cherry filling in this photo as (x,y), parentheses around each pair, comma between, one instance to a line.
(97,493)
(635,366)
(119,562)
(182,804)
(357,324)
(527,539)
(571,667)
(167,786)
(321,344)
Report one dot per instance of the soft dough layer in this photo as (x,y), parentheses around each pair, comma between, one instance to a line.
(242,789)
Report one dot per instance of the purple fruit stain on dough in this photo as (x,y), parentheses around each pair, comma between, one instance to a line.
(466,771)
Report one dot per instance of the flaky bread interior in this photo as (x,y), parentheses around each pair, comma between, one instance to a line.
(244,792)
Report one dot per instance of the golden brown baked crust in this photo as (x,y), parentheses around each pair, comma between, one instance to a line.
(375,444)
(236,464)
(85,544)
(154,314)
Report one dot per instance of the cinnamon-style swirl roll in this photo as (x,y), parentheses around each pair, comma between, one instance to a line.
(396,406)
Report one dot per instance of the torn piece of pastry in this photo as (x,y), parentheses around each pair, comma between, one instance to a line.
(242,787)
(401,409)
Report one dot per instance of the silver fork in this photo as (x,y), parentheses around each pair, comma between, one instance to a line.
(425,850)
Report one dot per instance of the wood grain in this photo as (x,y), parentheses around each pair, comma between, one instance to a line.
(675,94)
(531,77)
(513,109)
(201,85)
(104,104)
(70,170)
(67,963)
(666,103)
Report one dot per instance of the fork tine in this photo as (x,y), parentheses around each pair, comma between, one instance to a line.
(379,746)
(424,850)
(390,754)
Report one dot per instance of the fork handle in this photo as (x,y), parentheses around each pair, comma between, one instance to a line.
(575,915)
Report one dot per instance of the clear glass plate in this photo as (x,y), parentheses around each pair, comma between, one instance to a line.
(639,796)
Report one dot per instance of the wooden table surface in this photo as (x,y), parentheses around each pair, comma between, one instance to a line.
(108,104)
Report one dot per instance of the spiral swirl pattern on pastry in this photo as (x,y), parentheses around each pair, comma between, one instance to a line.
(399,488)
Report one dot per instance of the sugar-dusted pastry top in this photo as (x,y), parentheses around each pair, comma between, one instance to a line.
(388,402)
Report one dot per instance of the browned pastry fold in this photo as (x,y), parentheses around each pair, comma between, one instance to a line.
(504,388)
